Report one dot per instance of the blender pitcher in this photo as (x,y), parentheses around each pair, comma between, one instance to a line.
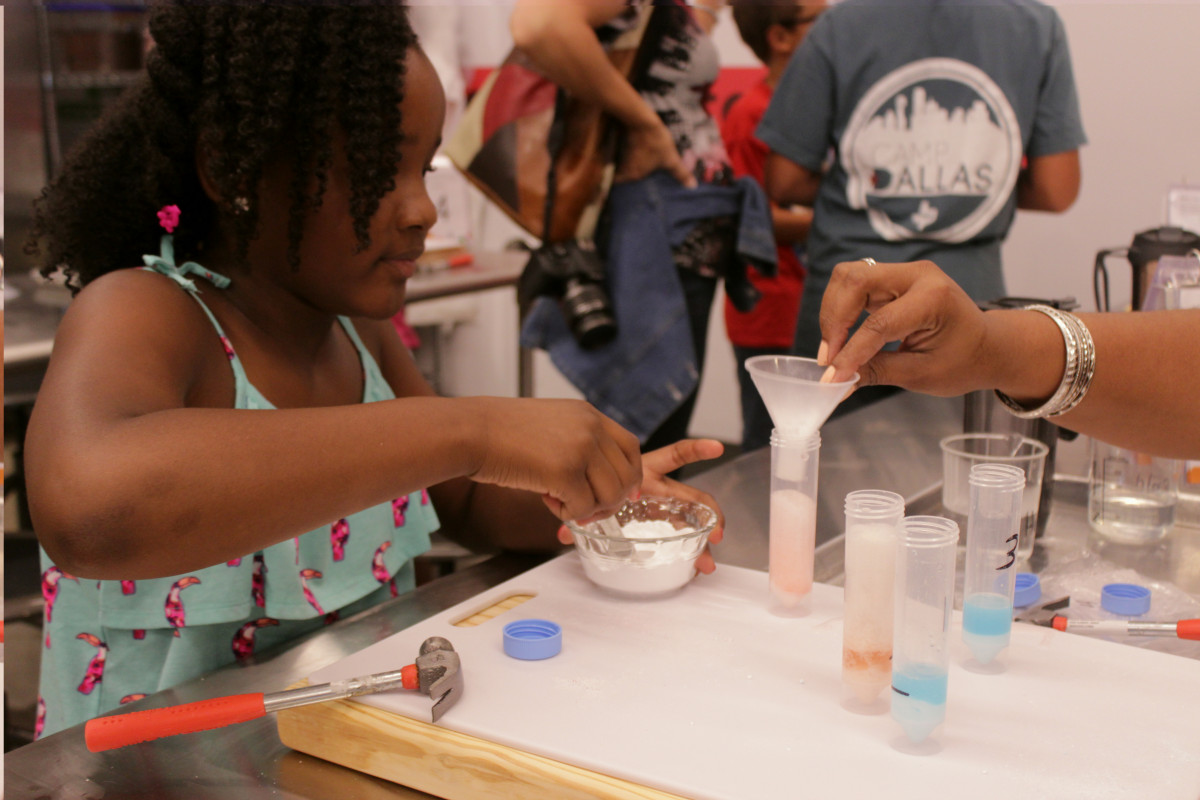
(1143,255)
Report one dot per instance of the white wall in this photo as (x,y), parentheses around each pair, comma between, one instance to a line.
(1138,73)
(1137,66)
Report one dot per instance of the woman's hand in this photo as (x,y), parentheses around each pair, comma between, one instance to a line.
(649,147)
(943,335)
(657,464)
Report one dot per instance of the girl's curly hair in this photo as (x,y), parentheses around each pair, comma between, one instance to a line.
(245,81)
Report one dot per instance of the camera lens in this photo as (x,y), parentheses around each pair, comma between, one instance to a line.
(587,310)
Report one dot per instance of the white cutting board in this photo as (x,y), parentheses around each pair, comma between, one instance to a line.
(707,695)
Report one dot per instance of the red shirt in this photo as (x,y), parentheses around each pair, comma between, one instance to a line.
(772,323)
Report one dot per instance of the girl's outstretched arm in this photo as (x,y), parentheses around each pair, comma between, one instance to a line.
(489,516)
(139,467)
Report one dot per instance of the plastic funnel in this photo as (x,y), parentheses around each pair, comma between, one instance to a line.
(791,389)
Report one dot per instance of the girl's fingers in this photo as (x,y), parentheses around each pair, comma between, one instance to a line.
(685,451)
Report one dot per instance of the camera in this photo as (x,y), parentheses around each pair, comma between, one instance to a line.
(572,273)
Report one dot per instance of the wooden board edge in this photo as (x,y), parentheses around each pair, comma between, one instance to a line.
(442,762)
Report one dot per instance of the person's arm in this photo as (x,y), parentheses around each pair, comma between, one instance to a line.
(1049,183)
(487,516)
(136,469)
(559,38)
(748,157)
(788,183)
(791,224)
(1147,379)
(707,13)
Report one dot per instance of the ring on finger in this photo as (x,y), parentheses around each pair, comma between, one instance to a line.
(870,262)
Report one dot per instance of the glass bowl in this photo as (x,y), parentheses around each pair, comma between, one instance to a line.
(656,551)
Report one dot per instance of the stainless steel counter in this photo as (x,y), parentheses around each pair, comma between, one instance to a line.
(890,445)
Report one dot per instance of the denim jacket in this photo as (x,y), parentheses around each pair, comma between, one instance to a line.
(650,368)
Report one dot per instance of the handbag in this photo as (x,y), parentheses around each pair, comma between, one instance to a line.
(500,144)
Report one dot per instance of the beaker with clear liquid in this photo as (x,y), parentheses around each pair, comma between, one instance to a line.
(1132,496)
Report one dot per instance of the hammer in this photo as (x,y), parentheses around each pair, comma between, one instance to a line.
(437,672)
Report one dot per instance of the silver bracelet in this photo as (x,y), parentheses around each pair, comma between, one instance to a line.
(1077,373)
(1086,369)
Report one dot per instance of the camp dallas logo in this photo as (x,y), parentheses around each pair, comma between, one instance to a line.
(932,152)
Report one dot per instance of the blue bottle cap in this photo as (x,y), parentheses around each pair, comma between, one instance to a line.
(1126,599)
(1028,590)
(532,639)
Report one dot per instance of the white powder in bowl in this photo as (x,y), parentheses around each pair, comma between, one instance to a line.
(652,568)
(652,529)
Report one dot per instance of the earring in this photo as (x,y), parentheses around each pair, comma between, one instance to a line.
(240,205)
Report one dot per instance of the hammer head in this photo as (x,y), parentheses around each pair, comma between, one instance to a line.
(1042,613)
(439,674)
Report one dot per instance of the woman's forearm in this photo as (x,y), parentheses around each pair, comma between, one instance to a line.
(1145,393)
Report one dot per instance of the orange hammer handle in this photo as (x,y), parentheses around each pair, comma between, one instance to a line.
(1188,629)
(107,733)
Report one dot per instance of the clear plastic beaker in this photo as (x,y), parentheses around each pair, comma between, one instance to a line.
(1132,496)
(793,525)
(992,537)
(921,637)
(961,452)
(872,530)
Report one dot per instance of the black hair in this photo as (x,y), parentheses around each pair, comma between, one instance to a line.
(755,17)
(248,82)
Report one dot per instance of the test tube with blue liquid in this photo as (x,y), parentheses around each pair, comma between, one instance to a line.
(993,528)
(925,563)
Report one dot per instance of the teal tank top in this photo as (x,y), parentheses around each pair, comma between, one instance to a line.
(107,642)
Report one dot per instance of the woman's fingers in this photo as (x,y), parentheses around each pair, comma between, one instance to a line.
(896,321)
(855,287)
(939,327)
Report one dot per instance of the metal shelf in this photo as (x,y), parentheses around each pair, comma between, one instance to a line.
(94,80)
(83,46)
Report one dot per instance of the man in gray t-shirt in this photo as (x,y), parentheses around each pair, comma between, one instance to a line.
(938,118)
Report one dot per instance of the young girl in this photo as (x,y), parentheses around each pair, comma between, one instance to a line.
(218,460)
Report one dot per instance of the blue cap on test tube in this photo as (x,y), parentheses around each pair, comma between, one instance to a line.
(993,526)
(925,561)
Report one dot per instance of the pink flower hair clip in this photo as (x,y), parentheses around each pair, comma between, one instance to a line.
(168,217)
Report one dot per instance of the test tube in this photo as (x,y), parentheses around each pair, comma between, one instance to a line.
(872,524)
(793,525)
(921,637)
(993,530)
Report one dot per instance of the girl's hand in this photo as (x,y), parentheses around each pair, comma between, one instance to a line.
(655,466)
(651,147)
(581,462)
